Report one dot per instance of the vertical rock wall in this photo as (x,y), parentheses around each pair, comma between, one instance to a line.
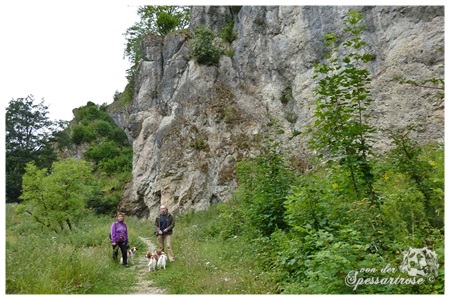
(191,123)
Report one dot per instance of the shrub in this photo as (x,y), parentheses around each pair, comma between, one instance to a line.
(82,134)
(264,183)
(102,151)
(102,128)
(204,47)
(227,34)
(286,95)
(199,143)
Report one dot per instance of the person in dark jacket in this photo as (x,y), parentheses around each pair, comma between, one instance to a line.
(164,224)
(119,238)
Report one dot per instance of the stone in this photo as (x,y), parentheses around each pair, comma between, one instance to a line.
(189,124)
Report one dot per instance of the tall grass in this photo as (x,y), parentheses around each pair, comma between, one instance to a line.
(77,262)
(208,264)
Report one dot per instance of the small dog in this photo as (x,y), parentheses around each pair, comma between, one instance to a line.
(152,261)
(162,259)
(130,255)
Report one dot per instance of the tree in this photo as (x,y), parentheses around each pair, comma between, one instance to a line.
(28,138)
(158,20)
(264,183)
(56,198)
(341,129)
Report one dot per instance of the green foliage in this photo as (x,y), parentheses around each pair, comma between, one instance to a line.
(126,97)
(82,134)
(107,148)
(158,20)
(263,186)
(104,199)
(205,48)
(286,95)
(28,139)
(199,143)
(78,262)
(229,52)
(308,203)
(207,264)
(341,128)
(407,159)
(56,199)
(102,151)
(436,84)
(102,128)
(227,34)
(291,117)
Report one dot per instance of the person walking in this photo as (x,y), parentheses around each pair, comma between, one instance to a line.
(164,224)
(119,238)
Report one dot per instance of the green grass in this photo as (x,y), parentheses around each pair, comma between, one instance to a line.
(206,264)
(77,262)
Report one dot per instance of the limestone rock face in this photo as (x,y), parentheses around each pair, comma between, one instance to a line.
(190,124)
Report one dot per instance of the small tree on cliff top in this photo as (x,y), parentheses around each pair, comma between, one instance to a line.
(158,20)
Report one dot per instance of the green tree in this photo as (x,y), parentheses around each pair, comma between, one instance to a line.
(264,182)
(28,138)
(56,198)
(341,129)
(108,152)
(158,20)
(406,156)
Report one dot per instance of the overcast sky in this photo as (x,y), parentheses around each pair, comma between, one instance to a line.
(65,52)
(70,52)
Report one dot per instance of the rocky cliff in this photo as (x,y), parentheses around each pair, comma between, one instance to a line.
(189,123)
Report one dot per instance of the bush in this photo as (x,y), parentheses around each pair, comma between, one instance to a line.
(102,128)
(204,47)
(264,184)
(82,134)
(227,34)
(102,151)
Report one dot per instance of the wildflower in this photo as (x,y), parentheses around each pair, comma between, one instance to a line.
(335,186)
(432,163)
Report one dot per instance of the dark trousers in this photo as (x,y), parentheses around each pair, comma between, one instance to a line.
(123,248)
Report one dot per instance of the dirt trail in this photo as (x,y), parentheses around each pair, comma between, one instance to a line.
(145,286)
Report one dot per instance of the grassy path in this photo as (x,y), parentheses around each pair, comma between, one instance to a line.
(145,286)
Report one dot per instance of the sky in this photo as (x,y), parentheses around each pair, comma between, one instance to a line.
(71,52)
(67,53)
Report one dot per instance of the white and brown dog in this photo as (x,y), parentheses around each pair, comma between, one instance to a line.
(162,259)
(130,255)
(152,261)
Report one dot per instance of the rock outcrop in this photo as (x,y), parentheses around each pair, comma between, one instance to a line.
(190,123)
